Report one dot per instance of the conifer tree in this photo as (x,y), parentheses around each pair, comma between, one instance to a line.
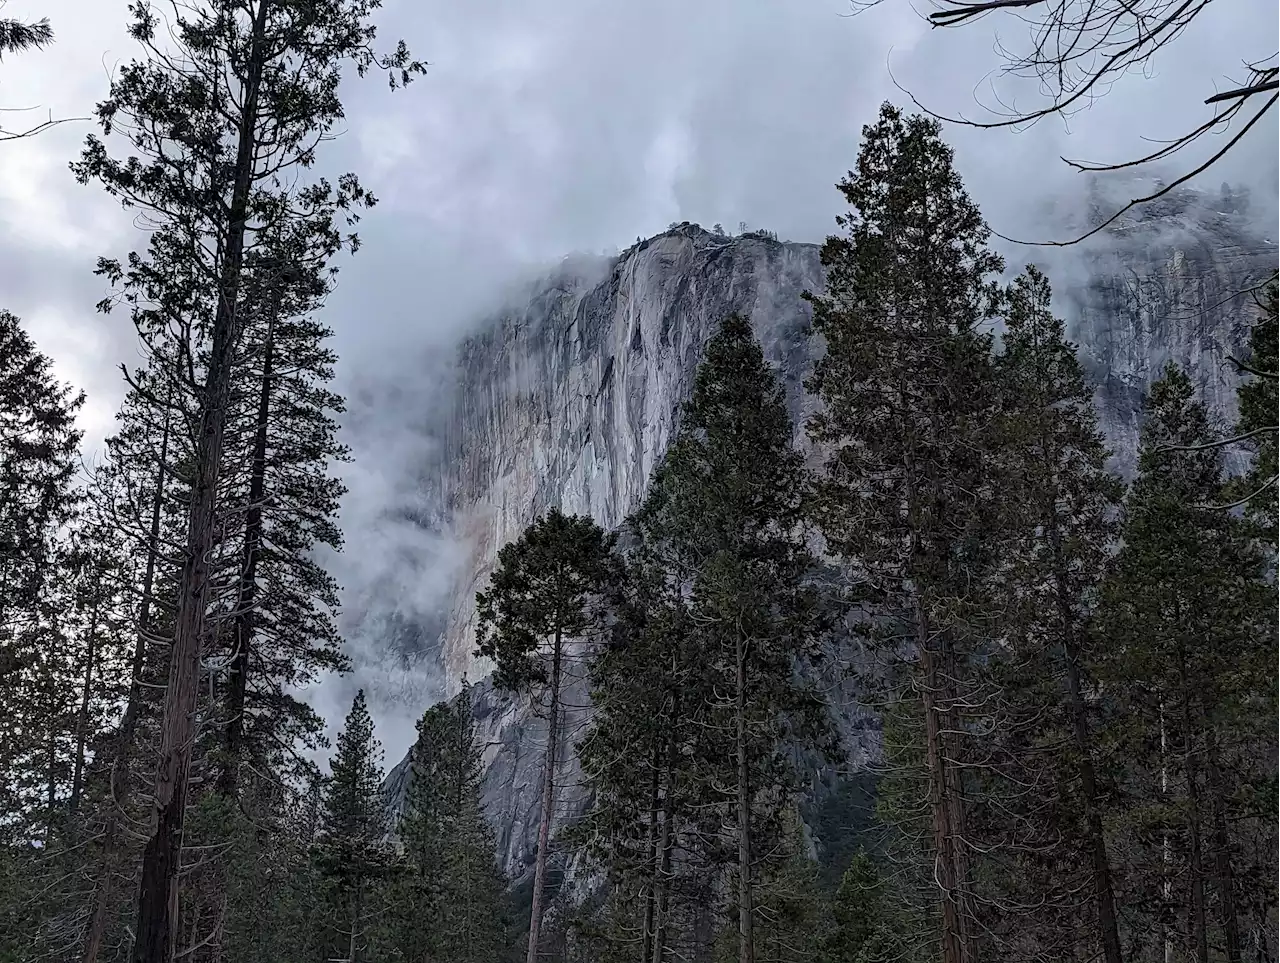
(724,526)
(1189,616)
(281,632)
(636,756)
(134,501)
(225,130)
(1061,510)
(864,927)
(38,445)
(544,604)
(449,899)
(351,850)
(907,399)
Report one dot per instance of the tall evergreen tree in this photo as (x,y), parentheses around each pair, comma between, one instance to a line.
(1044,811)
(544,605)
(449,900)
(864,928)
(225,130)
(907,400)
(722,533)
(279,626)
(1189,615)
(38,499)
(352,852)
(637,757)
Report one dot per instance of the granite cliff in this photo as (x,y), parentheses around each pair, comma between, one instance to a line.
(571,399)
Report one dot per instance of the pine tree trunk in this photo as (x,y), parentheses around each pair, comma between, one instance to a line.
(157,898)
(746,938)
(548,801)
(1166,847)
(952,940)
(120,787)
(1222,856)
(1200,927)
(51,788)
(82,720)
(651,890)
(667,838)
(242,631)
(357,910)
(957,812)
(1108,926)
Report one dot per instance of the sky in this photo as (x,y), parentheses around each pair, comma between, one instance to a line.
(545,127)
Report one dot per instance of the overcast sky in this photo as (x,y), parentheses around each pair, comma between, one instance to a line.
(574,125)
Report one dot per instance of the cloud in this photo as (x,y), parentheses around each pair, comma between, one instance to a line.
(544,128)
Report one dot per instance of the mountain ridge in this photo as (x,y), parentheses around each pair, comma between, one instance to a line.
(570,400)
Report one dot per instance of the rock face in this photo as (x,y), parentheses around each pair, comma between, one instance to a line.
(572,399)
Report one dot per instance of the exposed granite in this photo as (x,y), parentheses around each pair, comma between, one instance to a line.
(572,399)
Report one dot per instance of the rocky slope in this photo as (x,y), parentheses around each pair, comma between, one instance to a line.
(571,399)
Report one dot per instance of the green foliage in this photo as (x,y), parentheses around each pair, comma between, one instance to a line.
(698,698)
(547,589)
(1258,403)
(1189,615)
(908,498)
(1039,796)
(447,900)
(351,852)
(844,822)
(865,928)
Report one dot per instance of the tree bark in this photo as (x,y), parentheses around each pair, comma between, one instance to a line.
(1104,894)
(952,941)
(957,813)
(1223,872)
(242,631)
(667,839)
(82,719)
(651,890)
(120,787)
(353,946)
(157,896)
(1199,924)
(548,802)
(746,935)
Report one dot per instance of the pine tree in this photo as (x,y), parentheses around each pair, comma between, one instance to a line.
(281,635)
(724,524)
(864,928)
(449,900)
(351,850)
(38,446)
(16,35)
(543,606)
(1189,615)
(636,756)
(225,130)
(1061,510)
(907,399)
(792,910)
(134,503)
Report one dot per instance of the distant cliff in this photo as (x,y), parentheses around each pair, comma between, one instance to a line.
(572,399)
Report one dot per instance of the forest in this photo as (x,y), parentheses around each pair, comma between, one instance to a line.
(1071,675)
